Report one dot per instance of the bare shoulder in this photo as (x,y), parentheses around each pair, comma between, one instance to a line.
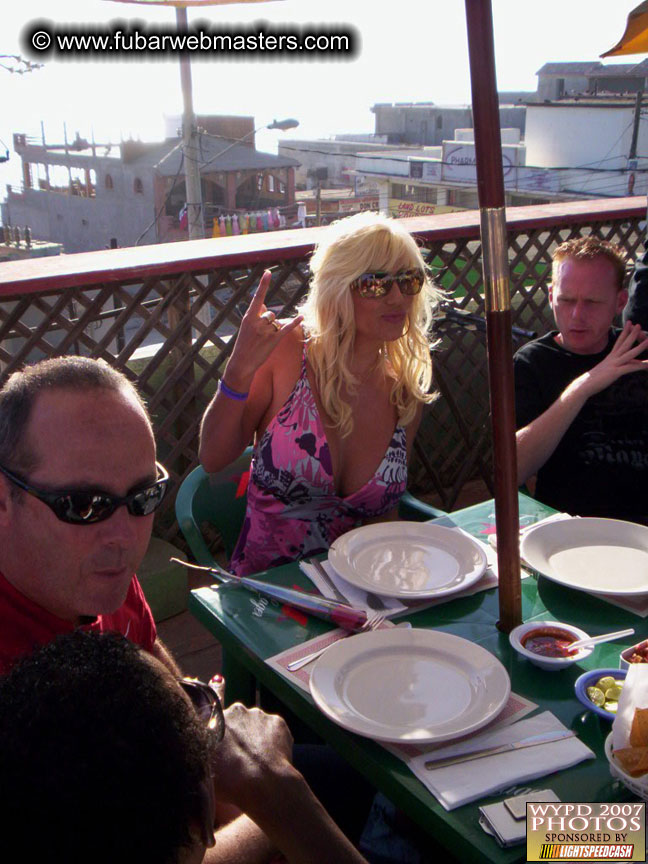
(288,353)
(278,374)
(415,422)
(413,426)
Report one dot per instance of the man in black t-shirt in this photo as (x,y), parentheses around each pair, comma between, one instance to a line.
(581,416)
(636,309)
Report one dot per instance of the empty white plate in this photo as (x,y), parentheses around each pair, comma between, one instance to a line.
(602,556)
(409,686)
(408,560)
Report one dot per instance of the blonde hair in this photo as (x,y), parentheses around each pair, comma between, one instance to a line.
(364,243)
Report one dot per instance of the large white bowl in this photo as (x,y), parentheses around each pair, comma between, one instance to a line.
(601,556)
(551,664)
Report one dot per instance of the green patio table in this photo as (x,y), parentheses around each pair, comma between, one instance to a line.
(251,630)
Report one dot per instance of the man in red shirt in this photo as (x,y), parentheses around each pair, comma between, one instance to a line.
(78,487)
(76,445)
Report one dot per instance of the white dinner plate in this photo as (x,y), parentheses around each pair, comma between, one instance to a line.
(602,556)
(409,560)
(409,686)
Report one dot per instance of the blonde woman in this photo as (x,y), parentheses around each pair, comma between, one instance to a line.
(333,397)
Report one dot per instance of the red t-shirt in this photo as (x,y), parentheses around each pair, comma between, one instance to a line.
(24,625)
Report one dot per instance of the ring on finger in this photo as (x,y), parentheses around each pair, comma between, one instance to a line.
(276,325)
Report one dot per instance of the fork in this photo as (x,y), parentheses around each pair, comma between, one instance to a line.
(373,622)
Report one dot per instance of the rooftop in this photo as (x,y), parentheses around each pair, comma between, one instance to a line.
(578,68)
(215,155)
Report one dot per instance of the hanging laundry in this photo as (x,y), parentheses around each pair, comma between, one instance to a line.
(183,218)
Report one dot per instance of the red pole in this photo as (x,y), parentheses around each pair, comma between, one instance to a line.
(490,186)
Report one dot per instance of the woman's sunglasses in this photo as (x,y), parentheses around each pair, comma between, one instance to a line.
(87,506)
(379,284)
(206,705)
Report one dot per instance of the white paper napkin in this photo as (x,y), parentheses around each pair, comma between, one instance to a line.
(633,695)
(459,784)
(356,596)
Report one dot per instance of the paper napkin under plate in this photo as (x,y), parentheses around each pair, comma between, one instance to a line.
(356,596)
(459,784)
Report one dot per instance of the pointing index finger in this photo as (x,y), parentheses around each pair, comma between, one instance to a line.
(259,295)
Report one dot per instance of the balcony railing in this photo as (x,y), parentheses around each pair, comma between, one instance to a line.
(167,315)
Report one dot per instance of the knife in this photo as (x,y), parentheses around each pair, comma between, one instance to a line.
(341,614)
(531,741)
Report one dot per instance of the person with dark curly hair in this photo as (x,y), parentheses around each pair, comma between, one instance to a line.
(105,757)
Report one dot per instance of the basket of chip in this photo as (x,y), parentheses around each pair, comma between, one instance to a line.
(626,747)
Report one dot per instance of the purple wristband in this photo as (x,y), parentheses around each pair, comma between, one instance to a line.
(233,394)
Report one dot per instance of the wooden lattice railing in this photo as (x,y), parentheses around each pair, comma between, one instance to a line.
(167,315)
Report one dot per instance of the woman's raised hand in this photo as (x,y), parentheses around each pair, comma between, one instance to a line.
(258,336)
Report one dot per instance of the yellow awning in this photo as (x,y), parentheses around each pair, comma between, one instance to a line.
(635,38)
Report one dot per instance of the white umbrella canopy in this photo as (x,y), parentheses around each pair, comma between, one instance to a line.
(184,3)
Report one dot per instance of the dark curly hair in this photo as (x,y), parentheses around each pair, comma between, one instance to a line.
(100,759)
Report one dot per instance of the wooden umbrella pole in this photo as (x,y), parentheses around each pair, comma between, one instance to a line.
(490,184)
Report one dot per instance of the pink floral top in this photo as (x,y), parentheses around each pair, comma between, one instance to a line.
(293,509)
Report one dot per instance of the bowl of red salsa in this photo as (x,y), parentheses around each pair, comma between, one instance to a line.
(547,644)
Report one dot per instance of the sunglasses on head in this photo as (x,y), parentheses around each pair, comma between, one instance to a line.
(87,506)
(379,284)
(206,705)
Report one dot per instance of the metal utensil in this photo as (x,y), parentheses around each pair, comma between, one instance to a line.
(341,614)
(373,600)
(317,564)
(596,640)
(531,741)
(372,623)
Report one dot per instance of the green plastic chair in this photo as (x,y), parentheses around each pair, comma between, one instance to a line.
(220,499)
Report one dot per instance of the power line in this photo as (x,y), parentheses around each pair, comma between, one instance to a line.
(405,160)
(164,203)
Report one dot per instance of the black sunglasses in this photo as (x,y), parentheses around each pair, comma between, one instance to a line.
(206,705)
(379,284)
(86,506)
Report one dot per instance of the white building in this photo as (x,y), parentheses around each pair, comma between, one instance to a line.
(583,146)
(574,148)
